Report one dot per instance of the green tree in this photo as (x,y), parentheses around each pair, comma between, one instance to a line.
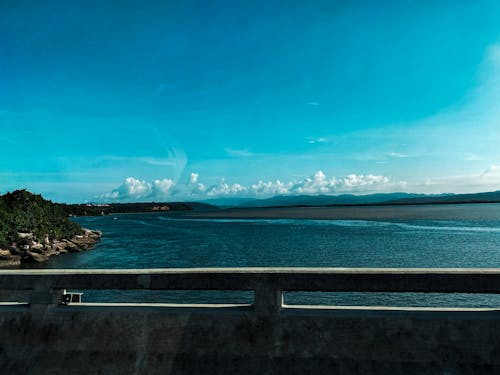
(22,211)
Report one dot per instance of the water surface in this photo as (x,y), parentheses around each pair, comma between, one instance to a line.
(159,240)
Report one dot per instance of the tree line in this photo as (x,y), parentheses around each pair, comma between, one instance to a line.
(24,212)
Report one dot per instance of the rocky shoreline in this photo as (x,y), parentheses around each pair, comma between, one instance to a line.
(29,250)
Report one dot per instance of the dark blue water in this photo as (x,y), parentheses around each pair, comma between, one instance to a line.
(162,241)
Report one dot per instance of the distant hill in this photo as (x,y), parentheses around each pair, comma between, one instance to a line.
(327,200)
(231,201)
(214,204)
(489,197)
(349,199)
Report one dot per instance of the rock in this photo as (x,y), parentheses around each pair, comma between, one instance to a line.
(34,257)
(37,247)
(59,245)
(93,233)
(5,254)
(25,236)
(28,250)
(12,261)
(70,246)
(49,250)
(85,241)
(14,250)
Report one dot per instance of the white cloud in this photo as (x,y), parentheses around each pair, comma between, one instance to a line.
(223,188)
(271,188)
(162,187)
(356,181)
(131,188)
(135,189)
(315,184)
(319,183)
(193,178)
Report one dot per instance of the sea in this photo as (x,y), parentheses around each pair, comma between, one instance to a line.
(163,240)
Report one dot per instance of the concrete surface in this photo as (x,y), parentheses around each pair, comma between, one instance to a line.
(266,338)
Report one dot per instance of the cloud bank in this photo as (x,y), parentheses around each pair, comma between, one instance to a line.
(136,189)
(133,189)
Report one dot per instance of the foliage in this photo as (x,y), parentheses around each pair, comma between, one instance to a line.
(24,212)
(115,208)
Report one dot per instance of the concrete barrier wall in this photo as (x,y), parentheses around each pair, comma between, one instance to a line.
(45,337)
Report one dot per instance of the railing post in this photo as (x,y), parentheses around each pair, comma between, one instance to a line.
(268,300)
(44,296)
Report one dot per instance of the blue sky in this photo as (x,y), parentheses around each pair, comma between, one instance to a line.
(126,100)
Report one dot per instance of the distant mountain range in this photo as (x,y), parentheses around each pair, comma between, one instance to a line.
(349,199)
(488,197)
(283,201)
(327,200)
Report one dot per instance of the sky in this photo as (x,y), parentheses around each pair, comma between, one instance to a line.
(191,100)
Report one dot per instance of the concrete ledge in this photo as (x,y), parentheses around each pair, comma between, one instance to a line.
(442,280)
(264,338)
(137,339)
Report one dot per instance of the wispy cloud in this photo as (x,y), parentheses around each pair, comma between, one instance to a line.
(491,170)
(439,144)
(141,159)
(469,156)
(396,155)
(313,140)
(239,153)
(488,180)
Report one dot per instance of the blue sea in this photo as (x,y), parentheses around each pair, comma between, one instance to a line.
(159,240)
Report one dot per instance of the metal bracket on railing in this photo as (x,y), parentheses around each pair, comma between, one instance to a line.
(71,297)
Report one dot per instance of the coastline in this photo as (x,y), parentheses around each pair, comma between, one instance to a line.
(31,251)
(472,211)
